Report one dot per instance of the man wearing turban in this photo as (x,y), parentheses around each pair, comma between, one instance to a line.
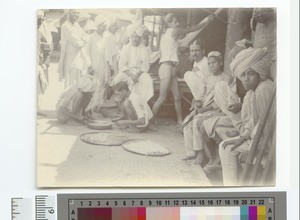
(134,64)
(228,95)
(74,61)
(252,67)
(73,102)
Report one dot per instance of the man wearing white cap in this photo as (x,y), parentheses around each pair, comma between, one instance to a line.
(134,64)
(204,109)
(228,95)
(252,67)
(74,60)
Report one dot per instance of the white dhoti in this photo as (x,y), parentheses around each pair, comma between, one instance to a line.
(193,140)
(72,77)
(144,86)
(223,97)
(231,161)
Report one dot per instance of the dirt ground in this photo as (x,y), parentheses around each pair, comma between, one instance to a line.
(63,160)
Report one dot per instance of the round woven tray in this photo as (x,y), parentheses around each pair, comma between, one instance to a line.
(100,125)
(103,138)
(145,147)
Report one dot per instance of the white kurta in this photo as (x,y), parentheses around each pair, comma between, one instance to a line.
(193,140)
(136,59)
(194,79)
(224,95)
(73,59)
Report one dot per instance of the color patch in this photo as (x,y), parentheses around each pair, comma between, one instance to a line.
(252,213)
(95,214)
(261,212)
(244,212)
(129,214)
(163,213)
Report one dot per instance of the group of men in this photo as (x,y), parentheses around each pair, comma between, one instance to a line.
(90,64)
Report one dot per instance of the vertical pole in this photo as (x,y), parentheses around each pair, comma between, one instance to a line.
(189,16)
(153,31)
(238,28)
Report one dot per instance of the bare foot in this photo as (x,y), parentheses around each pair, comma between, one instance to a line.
(189,157)
(199,158)
(160,122)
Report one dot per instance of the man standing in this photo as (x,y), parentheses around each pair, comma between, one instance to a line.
(74,59)
(168,62)
(134,64)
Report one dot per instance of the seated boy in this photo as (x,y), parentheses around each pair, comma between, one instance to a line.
(136,111)
(202,109)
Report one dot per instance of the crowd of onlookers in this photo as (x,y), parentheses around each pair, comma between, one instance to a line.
(99,62)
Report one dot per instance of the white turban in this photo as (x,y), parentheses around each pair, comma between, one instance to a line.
(40,14)
(255,59)
(84,16)
(87,83)
(135,28)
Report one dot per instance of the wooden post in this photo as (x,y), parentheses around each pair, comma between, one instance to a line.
(189,17)
(153,31)
(238,28)
(244,179)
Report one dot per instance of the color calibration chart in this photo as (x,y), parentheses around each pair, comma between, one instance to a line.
(173,206)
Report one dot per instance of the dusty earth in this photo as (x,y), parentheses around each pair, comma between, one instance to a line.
(63,160)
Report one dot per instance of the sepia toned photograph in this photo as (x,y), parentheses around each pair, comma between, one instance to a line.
(156,97)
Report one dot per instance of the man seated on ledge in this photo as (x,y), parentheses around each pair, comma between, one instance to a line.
(134,64)
(202,109)
(252,67)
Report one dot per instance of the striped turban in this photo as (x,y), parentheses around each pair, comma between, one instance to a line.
(255,59)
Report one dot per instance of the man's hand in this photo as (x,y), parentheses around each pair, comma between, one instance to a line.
(235,108)
(211,18)
(197,104)
(234,143)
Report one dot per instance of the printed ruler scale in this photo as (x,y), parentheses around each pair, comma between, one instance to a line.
(45,207)
(21,209)
(153,206)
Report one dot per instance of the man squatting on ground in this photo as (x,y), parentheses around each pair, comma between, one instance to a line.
(136,113)
(168,61)
(73,102)
(252,67)
(203,109)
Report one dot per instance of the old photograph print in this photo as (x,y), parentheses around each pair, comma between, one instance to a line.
(156,97)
